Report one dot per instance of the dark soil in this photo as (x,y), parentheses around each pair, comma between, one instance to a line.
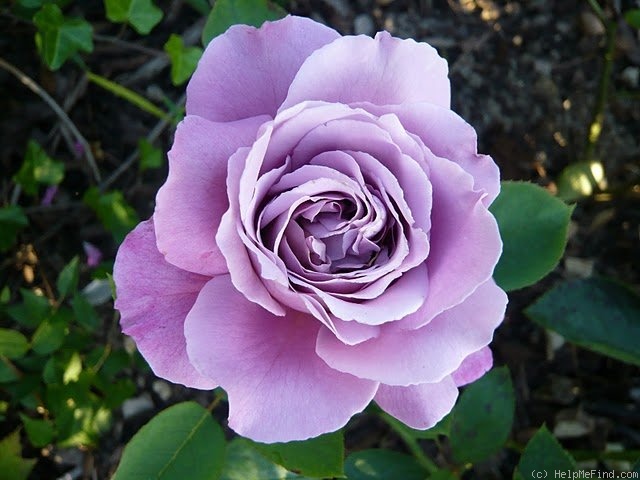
(524,74)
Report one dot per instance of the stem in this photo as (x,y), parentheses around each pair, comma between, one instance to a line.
(411,443)
(595,126)
(62,115)
(103,358)
(129,95)
(11,366)
(151,137)
(597,9)
(129,45)
(215,402)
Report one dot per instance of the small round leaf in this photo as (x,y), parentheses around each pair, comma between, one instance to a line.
(533,226)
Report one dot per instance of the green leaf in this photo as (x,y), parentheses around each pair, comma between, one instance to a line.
(52,371)
(379,464)
(115,362)
(542,454)
(84,312)
(533,226)
(183,438)
(117,216)
(49,336)
(73,369)
(7,371)
(79,414)
(200,6)
(112,285)
(443,475)
(59,38)
(5,295)
(68,278)
(13,344)
(23,389)
(150,156)
(33,309)
(116,393)
(481,421)
(226,13)
(317,457)
(38,168)
(142,15)
(636,468)
(12,220)
(183,59)
(243,462)
(40,432)
(12,465)
(632,17)
(594,313)
(88,423)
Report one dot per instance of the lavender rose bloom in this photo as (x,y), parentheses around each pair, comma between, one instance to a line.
(322,239)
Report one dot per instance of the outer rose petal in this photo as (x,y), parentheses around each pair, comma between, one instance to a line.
(419,406)
(154,298)
(191,202)
(465,240)
(425,355)
(279,389)
(473,367)
(383,70)
(247,71)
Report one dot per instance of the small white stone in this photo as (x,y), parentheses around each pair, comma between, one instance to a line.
(631,77)
(136,406)
(555,341)
(97,292)
(571,429)
(578,267)
(162,389)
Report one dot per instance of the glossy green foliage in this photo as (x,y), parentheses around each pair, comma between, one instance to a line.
(183,438)
(226,13)
(533,226)
(595,313)
(481,421)
(59,38)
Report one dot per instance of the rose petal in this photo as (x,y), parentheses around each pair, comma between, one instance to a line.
(425,355)
(246,71)
(379,158)
(400,299)
(418,406)
(448,136)
(473,367)
(381,70)
(269,368)
(190,204)
(231,238)
(154,298)
(465,240)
